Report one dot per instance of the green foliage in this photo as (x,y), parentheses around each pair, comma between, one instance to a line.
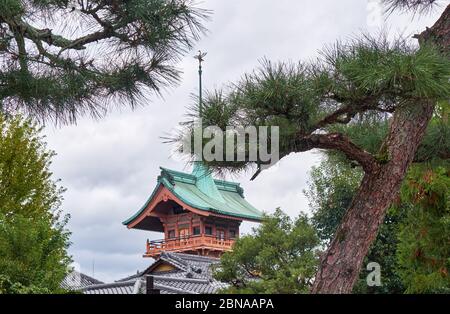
(276,93)
(331,188)
(424,248)
(394,71)
(9,287)
(369,131)
(33,238)
(25,178)
(279,257)
(34,251)
(105,52)
(11,7)
(436,144)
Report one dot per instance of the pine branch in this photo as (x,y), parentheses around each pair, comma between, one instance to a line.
(143,40)
(346,113)
(420,6)
(438,33)
(339,142)
(44,35)
(368,77)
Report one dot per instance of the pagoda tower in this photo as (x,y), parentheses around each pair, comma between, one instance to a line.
(197,214)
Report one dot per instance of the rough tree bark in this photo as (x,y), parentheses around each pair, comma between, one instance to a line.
(340,265)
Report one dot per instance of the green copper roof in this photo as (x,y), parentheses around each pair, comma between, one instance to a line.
(202,192)
(205,182)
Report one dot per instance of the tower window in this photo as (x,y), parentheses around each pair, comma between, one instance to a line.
(208,230)
(184,232)
(232,234)
(171,234)
(196,230)
(220,234)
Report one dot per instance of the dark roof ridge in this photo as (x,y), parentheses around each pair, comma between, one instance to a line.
(174,260)
(191,178)
(129,278)
(96,281)
(180,279)
(196,257)
(76,280)
(172,289)
(109,285)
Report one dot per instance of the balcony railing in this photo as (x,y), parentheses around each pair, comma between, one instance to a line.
(187,243)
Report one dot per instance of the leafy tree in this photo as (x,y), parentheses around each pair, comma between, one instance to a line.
(424,249)
(384,252)
(8,287)
(279,257)
(64,58)
(332,186)
(33,238)
(310,101)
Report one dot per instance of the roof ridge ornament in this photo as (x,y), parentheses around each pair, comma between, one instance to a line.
(204,180)
(200,57)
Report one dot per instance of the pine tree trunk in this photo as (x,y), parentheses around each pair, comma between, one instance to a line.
(341,264)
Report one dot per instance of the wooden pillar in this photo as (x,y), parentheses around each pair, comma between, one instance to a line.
(202,226)
(149,285)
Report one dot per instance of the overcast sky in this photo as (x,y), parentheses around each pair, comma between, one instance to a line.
(110,166)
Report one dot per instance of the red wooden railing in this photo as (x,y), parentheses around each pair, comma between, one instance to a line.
(191,242)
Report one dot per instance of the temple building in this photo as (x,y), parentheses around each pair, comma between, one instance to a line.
(199,218)
(195,213)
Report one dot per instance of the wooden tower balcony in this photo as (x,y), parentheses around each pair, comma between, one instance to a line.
(195,244)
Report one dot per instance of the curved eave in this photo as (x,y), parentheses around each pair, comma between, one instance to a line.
(142,209)
(207,210)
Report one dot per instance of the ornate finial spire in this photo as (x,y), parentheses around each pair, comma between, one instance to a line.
(204,180)
(200,59)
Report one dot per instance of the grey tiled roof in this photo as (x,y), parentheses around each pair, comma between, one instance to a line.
(125,287)
(76,281)
(192,275)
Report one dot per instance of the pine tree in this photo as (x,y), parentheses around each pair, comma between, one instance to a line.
(334,183)
(309,102)
(60,59)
